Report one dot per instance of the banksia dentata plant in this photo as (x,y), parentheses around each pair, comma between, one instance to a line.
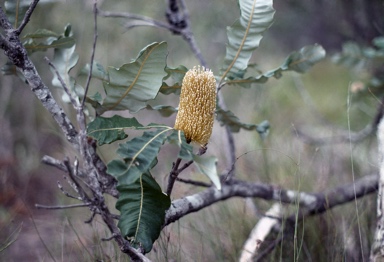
(197,105)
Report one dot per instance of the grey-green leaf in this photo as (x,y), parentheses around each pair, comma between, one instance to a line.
(42,33)
(132,85)
(15,10)
(174,80)
(227,118)
(351,56)
(298,61)
(186,150)
(107,130)
(244,36)
(165,111)
(142,206)
(98,71)
(207,166)
(302,60)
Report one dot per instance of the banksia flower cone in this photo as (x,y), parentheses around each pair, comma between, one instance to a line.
(197,105)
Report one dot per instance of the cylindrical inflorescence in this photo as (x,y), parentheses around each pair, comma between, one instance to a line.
(197,105)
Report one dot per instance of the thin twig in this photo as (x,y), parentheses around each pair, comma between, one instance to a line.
(352,138)
(27,16)
(193,182)
(62,207)
(65,192)
(148,20)
(356,137)
(95,35)
(89,220)
(80,190)
(62,82)
(176,170)
(48,160)
(173,175)
(109,238)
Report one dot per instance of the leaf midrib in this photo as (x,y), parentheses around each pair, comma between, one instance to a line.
(136,78)
(242,43)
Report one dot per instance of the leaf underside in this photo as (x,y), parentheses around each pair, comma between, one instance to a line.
(132,85)
(298,61)
(244,36)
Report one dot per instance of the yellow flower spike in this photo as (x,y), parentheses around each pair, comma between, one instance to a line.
(197,105)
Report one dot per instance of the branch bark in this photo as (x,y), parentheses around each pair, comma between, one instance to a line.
(377,250)
(313,203)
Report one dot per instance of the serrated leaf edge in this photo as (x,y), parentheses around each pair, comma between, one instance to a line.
(242,42)
(136,78)
(144,146)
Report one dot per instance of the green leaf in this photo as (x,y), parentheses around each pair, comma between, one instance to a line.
(298,61)
(244,36)
(142,207)
(351,56)
(132,85)
(42,33)
(62,42)
(139,155)
(108,130)
(302,60)
(379,42)
(64,60)
(178,138)
(15,11)
(207,166)
(227,118)
(98,71)
(165,111)
(176,75)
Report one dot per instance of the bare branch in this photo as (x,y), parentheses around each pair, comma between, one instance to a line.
(313,203)
(78,187)
(48,160)
(89,220)
(62,207)
(260,232)
(173,175)
(193,182)
(146,20)
(176,170)
(62,82)
(108,238)
(17,54)
(4,22)
(377,249)
(95,35)
(65,192)
(347,138)
(27,16)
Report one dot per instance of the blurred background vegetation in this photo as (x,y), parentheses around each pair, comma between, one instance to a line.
(316,103)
